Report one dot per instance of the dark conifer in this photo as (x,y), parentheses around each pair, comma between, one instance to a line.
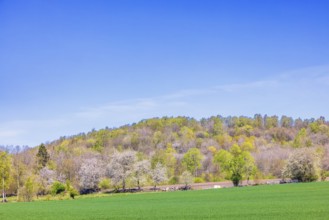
(42,156)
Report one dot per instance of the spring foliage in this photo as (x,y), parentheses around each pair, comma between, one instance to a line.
(5,166)
(236,163)
(136,155)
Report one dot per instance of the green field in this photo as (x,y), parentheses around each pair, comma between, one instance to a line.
(290,201)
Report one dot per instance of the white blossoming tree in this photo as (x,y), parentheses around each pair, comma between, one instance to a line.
(141,169)
(90,174)
(159,174)
(303,166)
(121,167)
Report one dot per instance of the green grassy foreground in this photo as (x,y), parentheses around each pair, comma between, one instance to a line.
(290,201)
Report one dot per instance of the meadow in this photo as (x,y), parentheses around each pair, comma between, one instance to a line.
(288,201)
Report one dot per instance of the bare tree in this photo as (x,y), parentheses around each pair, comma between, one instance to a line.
(186,178)
(46,178)
(270,161)
(18,167)
(67,165)
(325,163)
(121,167)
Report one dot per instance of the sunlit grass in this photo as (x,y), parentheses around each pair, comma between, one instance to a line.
(290,201)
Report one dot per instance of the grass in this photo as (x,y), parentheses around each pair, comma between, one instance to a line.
(290,201)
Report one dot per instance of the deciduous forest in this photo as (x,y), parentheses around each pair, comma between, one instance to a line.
(169,150)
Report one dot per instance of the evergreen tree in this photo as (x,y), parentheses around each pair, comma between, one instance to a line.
(42,156)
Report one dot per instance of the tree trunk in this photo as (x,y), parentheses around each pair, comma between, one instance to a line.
(3,189)
(124,185)
(17,185)
(139,187)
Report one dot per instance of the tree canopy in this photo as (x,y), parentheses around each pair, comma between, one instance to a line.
(236,163)
(164,150)
(42,156)
(5,166)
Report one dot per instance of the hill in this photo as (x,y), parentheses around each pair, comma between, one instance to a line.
(178,144)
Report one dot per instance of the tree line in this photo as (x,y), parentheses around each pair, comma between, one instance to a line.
(169,150)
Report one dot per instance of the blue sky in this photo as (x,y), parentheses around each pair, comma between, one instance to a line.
(69,66)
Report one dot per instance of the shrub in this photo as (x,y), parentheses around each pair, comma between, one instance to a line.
(57,188)
(324,174)
(303,166)
(198,180)
(173,180)
(104,184)
(72,192)
(28,191)
(186,178)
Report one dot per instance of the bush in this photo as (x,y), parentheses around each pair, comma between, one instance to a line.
(57,188)
(303,166)
(71,190)
(73,193)
(324,174)
(173,180)
(28,191)
(186,178)
(104,184)
(198,180)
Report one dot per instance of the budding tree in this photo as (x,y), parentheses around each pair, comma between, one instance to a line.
(192,160)
(121,167)
(5,163)
(186,178)
(235,163)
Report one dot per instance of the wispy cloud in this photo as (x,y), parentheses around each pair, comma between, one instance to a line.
(188,93)
(117,107)
(250,86)
(322,80)
(129,108)
(25,132)
(297,93)
(315,77)
(284,84)
(5,133)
